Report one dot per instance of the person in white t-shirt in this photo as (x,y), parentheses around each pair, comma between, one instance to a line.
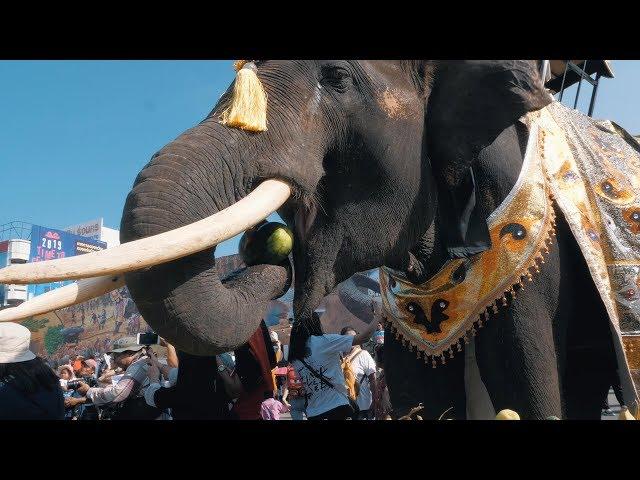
(364,370)
(315,356)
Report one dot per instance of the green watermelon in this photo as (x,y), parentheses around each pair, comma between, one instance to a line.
(269,242)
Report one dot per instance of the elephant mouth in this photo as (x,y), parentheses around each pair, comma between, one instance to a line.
(304,217)
(103,271)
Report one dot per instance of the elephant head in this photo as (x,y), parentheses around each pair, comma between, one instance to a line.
(368,148)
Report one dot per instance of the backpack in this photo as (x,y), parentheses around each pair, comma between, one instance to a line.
(294,383)
(350,381)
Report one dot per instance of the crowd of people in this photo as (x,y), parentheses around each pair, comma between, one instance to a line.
(325,376)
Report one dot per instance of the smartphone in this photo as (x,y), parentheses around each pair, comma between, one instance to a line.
(148,339)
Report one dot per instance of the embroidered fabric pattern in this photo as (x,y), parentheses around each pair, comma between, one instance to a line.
(592,171)
(441,314)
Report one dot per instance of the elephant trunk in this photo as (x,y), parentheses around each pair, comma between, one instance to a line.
(185,301)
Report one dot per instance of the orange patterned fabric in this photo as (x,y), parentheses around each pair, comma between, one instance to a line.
(592,171)
(435,318)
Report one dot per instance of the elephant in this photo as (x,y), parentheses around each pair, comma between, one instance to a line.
(371,149)
(390,163)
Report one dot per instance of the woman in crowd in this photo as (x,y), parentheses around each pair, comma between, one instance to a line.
(29,389)
(316,358)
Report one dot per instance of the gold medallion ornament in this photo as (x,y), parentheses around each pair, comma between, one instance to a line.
(591,170)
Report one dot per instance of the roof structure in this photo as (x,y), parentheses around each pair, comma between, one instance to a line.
(15,230)
(557,69)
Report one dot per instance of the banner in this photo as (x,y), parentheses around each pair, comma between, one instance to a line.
(50,244)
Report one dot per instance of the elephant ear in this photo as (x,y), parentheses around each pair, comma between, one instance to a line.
(471,102)
(353,295)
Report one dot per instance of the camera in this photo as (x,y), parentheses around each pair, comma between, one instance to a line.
(74,384)
(148,339)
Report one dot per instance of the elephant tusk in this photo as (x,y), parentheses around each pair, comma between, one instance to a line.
(164,247)
(62,297)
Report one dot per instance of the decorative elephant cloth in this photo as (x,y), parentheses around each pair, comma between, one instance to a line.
(591,170)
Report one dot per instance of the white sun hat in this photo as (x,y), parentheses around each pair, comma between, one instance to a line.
(14,343)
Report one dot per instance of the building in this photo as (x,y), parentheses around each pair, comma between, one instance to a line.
(96,230)
(22,242)
(11,252)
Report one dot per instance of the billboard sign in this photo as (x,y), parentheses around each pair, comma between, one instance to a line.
(91,229)
(51,244)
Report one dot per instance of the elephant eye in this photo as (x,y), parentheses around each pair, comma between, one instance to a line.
(336,77)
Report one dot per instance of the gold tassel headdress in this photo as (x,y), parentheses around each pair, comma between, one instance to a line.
(248,109)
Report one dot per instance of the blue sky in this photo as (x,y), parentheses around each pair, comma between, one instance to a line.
(74,134)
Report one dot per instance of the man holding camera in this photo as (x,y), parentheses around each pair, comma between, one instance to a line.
(74,402)
(125,395)
(88,368)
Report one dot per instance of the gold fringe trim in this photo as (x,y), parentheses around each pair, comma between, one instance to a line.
(491,307)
